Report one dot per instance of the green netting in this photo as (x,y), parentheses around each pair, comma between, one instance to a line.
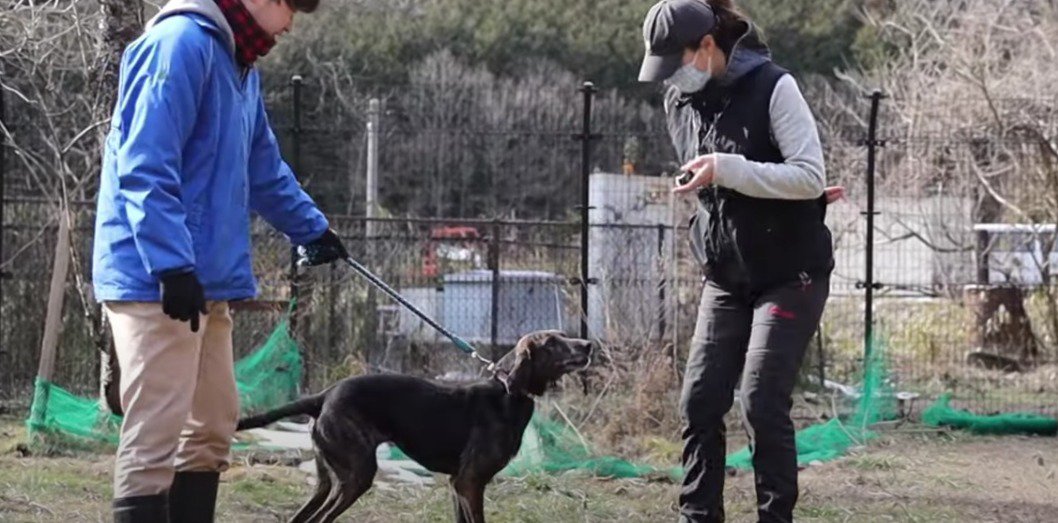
(942,414)
(832,439)
(269,376)
(550,447)
(57,412)
(266,378)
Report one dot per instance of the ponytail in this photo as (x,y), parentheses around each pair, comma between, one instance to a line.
(731,24)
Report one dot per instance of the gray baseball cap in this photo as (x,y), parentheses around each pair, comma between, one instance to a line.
(671,26)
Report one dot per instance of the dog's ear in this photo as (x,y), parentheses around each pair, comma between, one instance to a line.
(516,380)
(519,379)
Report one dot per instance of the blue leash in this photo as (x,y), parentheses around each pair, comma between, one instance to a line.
(460,343)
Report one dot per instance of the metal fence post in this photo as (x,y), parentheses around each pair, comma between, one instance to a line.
(3,178)
(873,143)
(371,226)
(494,265)
(662,283)
(585,137)
(371,203)
(295,138)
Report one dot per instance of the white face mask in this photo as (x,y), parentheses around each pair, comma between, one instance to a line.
(689,79)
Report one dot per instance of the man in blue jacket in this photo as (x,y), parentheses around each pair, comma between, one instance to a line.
(189,156)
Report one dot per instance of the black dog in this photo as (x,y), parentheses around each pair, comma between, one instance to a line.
(468,432)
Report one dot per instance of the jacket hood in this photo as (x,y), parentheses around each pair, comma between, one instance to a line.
(205,8)
(749,53)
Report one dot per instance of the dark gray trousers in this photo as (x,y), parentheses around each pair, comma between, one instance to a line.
(762,338)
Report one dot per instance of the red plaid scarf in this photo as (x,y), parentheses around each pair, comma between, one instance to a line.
(251,42)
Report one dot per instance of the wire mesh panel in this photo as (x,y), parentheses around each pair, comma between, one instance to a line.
(941,175)
(30,233)
(478,225)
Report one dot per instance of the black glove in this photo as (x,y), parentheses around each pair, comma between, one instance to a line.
(183,298)
(325,249)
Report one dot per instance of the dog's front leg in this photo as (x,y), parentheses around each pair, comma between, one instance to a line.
(468,495)
(457,507)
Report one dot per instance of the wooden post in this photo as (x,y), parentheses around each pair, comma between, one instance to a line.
(56,294)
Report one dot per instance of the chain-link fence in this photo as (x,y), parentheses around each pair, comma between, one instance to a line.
(479,223)
(963,250)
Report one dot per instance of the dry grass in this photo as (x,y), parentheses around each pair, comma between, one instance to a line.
(906,476)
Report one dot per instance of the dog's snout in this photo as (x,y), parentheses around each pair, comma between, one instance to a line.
(580,352)
(579,346)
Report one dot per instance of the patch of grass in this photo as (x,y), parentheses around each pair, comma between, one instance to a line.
(662,450)
(12,436)
(52,489)
(917,513)
(54,444)
(927,514)
(923,477)
(265,489)
(824,513)
(880,463)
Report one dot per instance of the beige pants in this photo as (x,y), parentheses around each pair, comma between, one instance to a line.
(178,392)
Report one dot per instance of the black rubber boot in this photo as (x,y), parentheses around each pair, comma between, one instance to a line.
(142,509)
(193,497)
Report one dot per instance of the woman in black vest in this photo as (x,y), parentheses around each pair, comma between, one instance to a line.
(752,155)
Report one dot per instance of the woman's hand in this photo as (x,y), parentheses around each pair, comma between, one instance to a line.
(702,169)
(834,193)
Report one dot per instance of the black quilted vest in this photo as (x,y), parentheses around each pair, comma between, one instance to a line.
(752,243)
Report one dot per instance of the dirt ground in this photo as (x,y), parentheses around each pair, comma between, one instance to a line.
(913,475)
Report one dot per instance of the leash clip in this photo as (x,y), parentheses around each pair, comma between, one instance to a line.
(491,364)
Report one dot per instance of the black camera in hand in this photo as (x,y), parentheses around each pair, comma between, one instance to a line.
(684,178)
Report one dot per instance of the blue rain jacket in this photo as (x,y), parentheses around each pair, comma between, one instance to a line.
(189,156)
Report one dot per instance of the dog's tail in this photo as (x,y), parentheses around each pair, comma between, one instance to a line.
(310,405)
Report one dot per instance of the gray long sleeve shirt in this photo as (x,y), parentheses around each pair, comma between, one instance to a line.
(802,176)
